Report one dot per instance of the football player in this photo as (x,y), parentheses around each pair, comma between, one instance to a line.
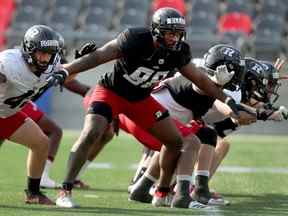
(143,57)
(178,95)
(260,91)
(24,74)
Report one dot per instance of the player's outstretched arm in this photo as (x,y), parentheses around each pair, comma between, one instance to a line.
(202,81)
(106,53)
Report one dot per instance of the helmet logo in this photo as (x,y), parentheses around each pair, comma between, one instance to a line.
(34,32)
(48,43)
(257,68)
(176,20)
(229,52)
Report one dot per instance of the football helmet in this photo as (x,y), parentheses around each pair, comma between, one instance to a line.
(168,19)
(255,81)
(40,38)
(63,48)
(229,56)
(272,75)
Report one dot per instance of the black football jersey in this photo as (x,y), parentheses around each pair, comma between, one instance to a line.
(181,90)
(142,65)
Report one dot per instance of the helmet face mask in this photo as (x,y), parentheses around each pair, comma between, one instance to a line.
(273,85)
(40,38)
(168,20)
(255,85)
(223,54)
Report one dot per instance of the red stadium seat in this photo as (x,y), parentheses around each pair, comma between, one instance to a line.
(235,21)
(177,4)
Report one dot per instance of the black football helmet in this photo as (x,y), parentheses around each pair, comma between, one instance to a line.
(272,75)
(63,48)
(223,54)
(40,38)
(168,19)
(255,81)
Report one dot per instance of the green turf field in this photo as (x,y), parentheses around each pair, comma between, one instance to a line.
(257,190)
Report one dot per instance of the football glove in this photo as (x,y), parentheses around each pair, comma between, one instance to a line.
(222,75)
(58,78)
(280,114)
(85,49)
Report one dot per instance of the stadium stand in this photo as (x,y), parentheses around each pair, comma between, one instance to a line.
(208,21)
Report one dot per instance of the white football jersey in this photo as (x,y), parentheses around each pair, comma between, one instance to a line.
(21,84)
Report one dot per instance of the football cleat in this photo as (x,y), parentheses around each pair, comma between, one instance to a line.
(201,195)
(217,199)
(46,182)
(139,196)
(37,198)
(197,205)
(65,200)
(162,199)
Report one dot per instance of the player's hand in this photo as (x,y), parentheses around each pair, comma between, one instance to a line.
(233,106)
(279,115)
(85,49)
(58,78)
(222,75)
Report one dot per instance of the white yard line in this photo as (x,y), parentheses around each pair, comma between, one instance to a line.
(226,169)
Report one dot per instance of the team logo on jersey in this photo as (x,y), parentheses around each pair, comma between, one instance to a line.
(161,61)
(158,114)
(176,20)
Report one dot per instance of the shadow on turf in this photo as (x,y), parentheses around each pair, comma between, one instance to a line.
(266,204)
(102,210)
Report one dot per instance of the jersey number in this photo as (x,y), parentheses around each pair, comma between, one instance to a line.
(20,100)
(145,77)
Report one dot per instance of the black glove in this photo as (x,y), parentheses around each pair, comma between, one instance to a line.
(264,114)
(232,104)
(58,78)
(85,49)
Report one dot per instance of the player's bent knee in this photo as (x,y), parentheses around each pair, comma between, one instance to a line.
(101,108)
(207,136)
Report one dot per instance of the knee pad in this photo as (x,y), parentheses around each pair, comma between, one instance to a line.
(207,136)
(101,108)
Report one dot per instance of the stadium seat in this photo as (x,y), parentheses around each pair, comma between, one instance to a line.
(105,4)
(269,23)
(273,7)
(178,5)
(97,18)
(35,5)
(209,6)
(239,6)
(203,22)
(132,18)
(25,17)
(200,43)
(136,4)
(235,21)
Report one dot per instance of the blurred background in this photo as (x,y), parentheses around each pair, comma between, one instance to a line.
(257,27)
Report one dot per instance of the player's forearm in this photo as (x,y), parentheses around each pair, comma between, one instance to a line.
(106,53)
(77,87)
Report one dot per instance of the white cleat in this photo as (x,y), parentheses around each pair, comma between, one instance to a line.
(197,205)
(218,202)
(65,200)
(46,182)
